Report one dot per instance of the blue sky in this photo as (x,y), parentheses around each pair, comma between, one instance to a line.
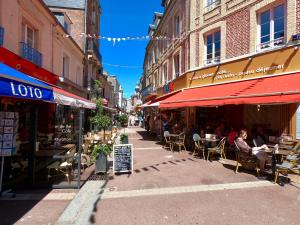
(126,18)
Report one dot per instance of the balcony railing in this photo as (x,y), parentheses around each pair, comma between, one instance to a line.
(1,35)
(93,48)
(31,54)
(150,89)
(211,5)
(270,44)
(211,61)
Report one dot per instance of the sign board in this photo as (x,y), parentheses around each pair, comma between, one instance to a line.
(296,37)
(8,131)
(122,158)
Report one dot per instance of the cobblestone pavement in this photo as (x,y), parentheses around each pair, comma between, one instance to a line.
(179,188)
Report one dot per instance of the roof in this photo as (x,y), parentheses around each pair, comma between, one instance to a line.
(73,4)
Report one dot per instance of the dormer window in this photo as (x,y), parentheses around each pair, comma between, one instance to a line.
(64,20)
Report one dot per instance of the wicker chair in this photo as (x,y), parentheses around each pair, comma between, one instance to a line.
(199,146)
(168,141)
(219,149)
(180,141)
(245,160)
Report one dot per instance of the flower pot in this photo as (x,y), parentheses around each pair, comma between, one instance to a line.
(101,164)
(124,140)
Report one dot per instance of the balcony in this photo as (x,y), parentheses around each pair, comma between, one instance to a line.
(31,54)
(1,35)
(93,50)
(149,90)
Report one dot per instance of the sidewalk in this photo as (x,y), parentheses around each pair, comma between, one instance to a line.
(179,188)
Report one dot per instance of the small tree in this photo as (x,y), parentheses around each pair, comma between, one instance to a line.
(100,120)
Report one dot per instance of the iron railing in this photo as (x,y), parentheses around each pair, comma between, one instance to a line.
(271,44)
(1,35)
(31,54)
(211,5)
(211,61)
(93,48)
(148,90)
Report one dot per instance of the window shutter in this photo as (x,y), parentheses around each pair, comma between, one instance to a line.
(298,123)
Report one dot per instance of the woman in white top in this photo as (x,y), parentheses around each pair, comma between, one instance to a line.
(243,146)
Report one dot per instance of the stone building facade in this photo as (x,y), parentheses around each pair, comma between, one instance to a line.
(85,27)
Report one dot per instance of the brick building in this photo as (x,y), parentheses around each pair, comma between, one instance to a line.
(223,44)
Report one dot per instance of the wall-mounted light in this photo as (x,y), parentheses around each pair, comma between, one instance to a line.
(296,48)
(61,79)
(250,58)
(258,108)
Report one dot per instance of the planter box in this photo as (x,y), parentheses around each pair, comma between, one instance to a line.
(101,164)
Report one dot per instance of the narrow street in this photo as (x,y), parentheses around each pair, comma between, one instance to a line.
(179,188)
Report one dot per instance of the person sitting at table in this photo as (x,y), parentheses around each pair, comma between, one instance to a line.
(177,128)
(232,136)
(244,147)
(219,131)
(258,137)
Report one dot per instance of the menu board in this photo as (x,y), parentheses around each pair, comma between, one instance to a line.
(122,158)
(8,131)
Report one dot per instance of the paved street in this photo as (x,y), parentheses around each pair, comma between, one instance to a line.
(178,188)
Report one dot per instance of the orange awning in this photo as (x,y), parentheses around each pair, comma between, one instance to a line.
(268,90)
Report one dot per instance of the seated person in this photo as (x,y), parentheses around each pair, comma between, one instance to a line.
(177,128)
(219,131)
(258,137)
(232,136)
(244,147)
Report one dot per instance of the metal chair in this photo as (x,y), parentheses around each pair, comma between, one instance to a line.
(219,149)
(168,140)
(291,165)
(199,146)
(247,161)
(180,141)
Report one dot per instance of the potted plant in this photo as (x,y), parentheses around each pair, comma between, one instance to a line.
(124,138)
(99,156)
(123,119)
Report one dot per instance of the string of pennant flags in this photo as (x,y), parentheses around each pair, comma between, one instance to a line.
(119,39)
(122,66)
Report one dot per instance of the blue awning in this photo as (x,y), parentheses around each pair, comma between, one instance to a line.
(19,85)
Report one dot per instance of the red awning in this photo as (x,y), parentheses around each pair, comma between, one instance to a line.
(156,102)
(269,90)
(66,98)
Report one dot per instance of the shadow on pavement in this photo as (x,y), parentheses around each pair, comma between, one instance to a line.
(12,210)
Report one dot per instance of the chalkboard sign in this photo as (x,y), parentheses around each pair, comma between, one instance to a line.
(122,158)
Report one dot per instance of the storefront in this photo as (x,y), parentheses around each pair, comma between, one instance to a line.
(257,90)
(39,132)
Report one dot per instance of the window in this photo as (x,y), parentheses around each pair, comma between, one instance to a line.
(213,47)
(176,65)
(66,63)
(67,27)
(165,74)
(271,27)
(78,76)
(177,26)
(211,4)
(29,35)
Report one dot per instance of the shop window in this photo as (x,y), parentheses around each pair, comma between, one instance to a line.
(177,65)
(66,65)
(213,48)
(271,27)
